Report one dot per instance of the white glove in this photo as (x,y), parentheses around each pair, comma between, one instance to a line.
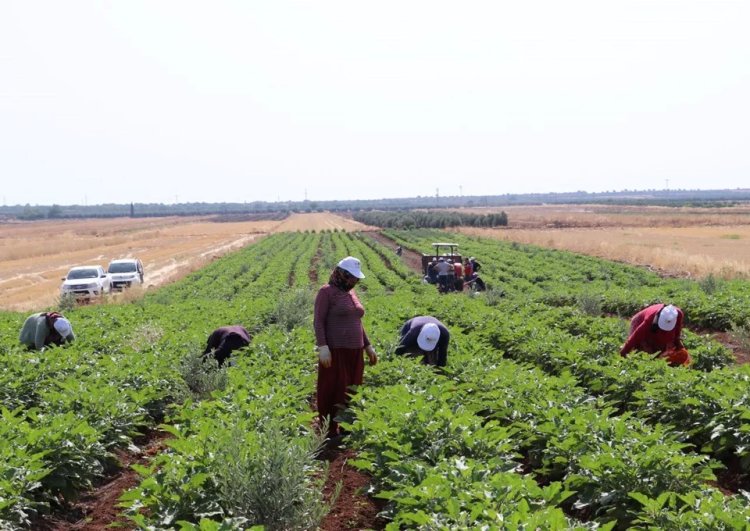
(371,354)
(324,355)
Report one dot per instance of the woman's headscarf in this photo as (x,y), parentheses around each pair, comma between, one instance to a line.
(342,279)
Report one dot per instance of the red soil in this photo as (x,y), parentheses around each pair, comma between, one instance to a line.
(98,510)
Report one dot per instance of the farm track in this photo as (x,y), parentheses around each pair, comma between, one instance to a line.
(411,258)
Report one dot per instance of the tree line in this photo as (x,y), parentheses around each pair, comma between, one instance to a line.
(429,219)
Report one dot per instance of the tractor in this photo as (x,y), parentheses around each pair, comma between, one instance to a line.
(445,250)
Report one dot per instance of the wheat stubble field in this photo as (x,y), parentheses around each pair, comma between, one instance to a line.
(35,255)
(692,242)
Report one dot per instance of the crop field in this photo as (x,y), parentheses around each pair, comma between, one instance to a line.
(536,422)
(35,255)
(694,242)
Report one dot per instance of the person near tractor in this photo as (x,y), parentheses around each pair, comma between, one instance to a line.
(46,328)
(341,341)
(432,275)
(425,336)
(657,329)
(224,340)
(443,268)
(451,275)
(468,269)
(458,275)
(475,266)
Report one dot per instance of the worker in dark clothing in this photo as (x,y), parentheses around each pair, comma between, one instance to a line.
(427,337)
(224,340)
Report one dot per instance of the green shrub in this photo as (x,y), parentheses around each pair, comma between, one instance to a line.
(202,375)
(293,310)
(710,284)
(590,304)
(272,480)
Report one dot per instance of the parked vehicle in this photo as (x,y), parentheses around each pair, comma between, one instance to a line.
(85,282)
(125,272)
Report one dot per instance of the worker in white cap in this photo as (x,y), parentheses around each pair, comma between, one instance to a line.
(427,337)
(46,328)
(341,341)
(657,329)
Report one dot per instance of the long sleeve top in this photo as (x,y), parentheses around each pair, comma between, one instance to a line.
(646,336)
(338,319)
(410,331)
(226,339)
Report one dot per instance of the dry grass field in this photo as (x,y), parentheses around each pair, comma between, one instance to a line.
(691,242)
(594,216)
(35,255)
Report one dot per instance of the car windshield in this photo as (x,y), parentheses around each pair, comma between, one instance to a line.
(82,273)
(121,267)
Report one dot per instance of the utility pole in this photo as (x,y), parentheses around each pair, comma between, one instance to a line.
(667,184)
(437,196)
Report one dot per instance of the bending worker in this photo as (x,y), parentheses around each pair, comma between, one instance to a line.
(46,328)
(427,337)
(657,329)
(226,339)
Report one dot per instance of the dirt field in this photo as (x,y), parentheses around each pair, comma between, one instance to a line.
(678,241)
(35,255)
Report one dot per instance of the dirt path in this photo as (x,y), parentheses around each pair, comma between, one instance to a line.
(98,510)
(353,508)
(411,258)
(35,255)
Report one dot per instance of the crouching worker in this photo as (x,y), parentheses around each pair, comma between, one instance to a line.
(427,337)
(46,328)
(657,329)
(224,340)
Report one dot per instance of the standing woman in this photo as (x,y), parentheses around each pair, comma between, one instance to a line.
(341,340)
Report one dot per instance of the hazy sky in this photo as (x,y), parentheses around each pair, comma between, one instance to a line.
(165,101)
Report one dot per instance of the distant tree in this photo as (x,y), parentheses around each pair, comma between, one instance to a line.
(54,212)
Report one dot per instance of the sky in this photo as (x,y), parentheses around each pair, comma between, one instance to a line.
(181,101)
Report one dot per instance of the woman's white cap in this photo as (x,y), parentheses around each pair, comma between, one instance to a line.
(351,265)
(668,318)
(428,337)
(63,327)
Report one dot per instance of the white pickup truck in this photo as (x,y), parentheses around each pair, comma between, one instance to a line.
(86,282)
(125,272)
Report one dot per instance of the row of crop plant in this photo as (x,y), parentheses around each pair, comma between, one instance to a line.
(429,438)
(711,408)
(529,333)
(561,278)
(487,441)
(65,410)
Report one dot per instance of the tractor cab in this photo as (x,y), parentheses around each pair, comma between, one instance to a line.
(441,249)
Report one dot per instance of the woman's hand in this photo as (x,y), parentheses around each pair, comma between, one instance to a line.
(324,355)
(371,354)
